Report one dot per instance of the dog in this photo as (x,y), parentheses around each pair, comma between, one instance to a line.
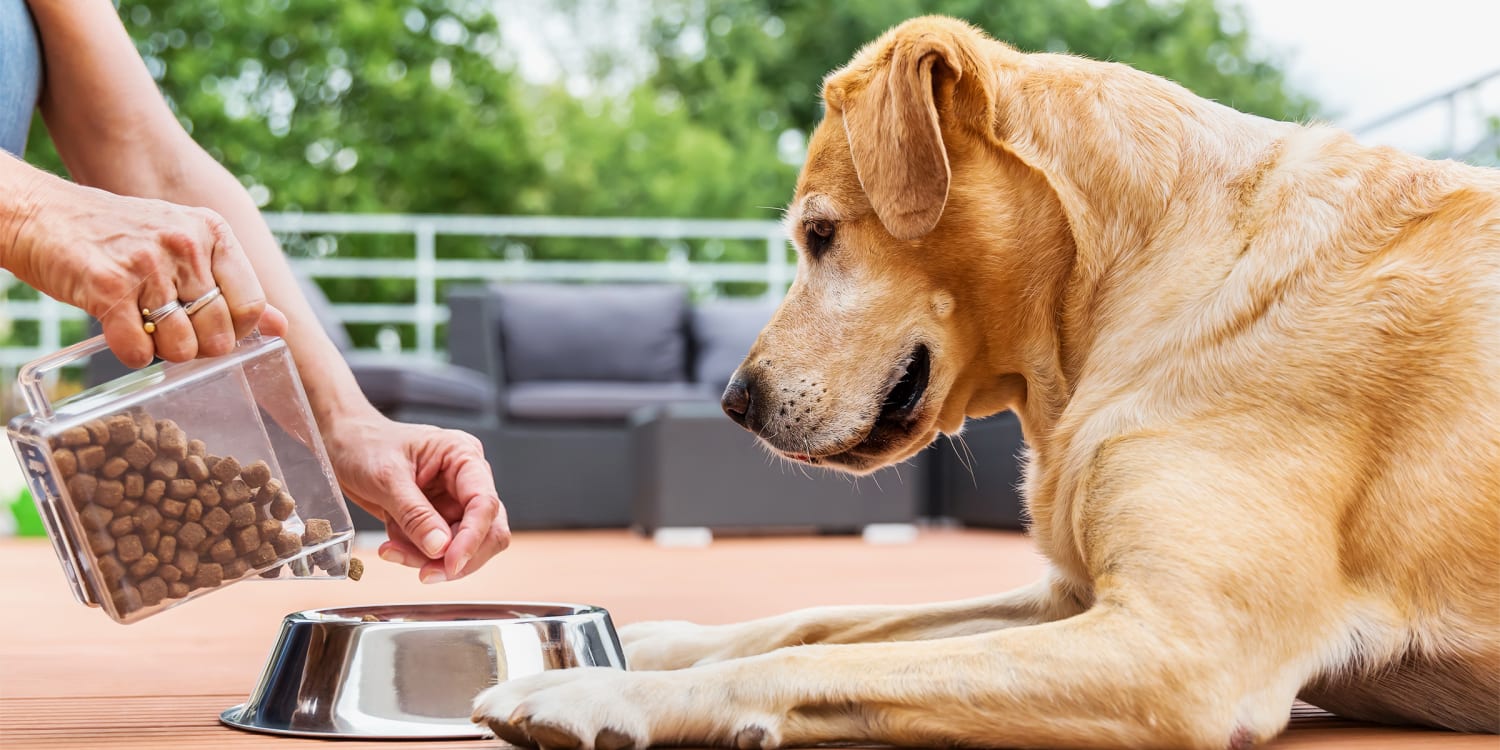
(1258,368)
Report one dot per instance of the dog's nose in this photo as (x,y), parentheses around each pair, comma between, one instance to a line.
(736,401)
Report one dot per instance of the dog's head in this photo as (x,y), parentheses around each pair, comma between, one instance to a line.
(909,225)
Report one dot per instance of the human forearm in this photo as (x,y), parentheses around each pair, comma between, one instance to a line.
(331,388)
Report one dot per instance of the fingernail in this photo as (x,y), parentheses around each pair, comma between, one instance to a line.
(392,555)
(432,544)
(434,576)
(461,564)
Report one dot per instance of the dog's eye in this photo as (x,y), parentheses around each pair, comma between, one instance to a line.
(819,236)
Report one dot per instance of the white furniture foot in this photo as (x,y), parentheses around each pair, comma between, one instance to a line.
(683,536)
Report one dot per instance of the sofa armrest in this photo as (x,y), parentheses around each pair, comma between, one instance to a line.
(474,332)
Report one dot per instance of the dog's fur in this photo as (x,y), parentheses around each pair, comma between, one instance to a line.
(1258,366)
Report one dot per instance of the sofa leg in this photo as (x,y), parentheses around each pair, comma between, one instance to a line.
(890,533)
(683,536)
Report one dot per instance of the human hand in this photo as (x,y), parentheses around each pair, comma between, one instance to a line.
(431,487)
(114,256)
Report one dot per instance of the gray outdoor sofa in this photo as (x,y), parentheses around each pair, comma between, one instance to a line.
(607,398)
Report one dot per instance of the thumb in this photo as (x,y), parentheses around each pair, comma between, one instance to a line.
(272,322)
(418,519)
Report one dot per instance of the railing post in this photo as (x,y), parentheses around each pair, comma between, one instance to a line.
(777,275)
(426,290)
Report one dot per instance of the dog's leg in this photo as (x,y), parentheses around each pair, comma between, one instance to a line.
(1107,678)
(1214,601)
(675,644)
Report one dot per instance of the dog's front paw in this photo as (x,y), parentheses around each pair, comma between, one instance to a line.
(587,708)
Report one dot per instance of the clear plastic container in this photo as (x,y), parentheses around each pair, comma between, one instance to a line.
(181,478)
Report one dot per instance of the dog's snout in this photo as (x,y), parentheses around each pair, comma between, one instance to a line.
(737,402)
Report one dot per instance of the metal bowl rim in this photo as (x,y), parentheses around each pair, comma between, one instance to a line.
(568,612)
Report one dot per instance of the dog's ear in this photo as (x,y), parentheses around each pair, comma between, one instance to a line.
(894,136)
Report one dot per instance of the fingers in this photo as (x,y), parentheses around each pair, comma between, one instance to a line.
(243,298)
(123,332)
(424,530)
(484,530)
(273,322)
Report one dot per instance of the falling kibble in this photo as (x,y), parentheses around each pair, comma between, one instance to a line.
(356,569)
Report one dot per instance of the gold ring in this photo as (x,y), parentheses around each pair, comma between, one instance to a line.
(152,317)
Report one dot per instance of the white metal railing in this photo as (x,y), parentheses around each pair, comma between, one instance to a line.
(426,269)
(1466,135)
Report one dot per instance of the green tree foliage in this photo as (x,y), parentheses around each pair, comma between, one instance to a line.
(787,46)
(700,109)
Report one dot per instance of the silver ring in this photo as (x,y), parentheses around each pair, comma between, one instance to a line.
(155,316)
(202,302)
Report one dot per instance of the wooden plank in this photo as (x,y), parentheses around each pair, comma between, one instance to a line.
(71,678)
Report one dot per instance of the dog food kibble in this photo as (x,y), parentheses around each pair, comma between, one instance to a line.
(317,530)
(91,458)
(256,474)
(356,568)
(209,575)
(262,555)
(173,508)
(286,543)
(114,467)
(236,568)
(164,517)
(162,467)
(166,549)
(242,516)
(129,548)
(67,462)
(195,469)
(144,566)
(226,469)
(121,526)
(216,521)
(222,551)
(153,591)
(281,508)
(181,489)
(95,517)
(139,455)
(235,491)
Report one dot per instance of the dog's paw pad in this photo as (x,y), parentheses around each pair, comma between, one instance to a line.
(551,736)
(510,733)
(609,739)
(750,738)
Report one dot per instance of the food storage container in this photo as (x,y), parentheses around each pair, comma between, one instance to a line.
(179,479)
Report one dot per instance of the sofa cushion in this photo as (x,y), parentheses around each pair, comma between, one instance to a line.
(628,332)
(723,332)
(405,383)
(596,400)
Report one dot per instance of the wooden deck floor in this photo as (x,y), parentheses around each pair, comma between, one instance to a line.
(71,678)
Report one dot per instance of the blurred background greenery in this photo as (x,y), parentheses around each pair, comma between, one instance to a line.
(679,108)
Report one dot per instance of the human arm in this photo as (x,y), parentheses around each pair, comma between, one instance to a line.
(114,131)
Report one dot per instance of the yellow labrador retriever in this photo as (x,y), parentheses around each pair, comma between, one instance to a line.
(1258,365)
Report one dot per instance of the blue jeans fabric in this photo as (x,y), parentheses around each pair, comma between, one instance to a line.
(20,74)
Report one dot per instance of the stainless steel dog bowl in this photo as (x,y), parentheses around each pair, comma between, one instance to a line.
(413,670)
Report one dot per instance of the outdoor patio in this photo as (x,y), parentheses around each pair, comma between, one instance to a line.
(71,678)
